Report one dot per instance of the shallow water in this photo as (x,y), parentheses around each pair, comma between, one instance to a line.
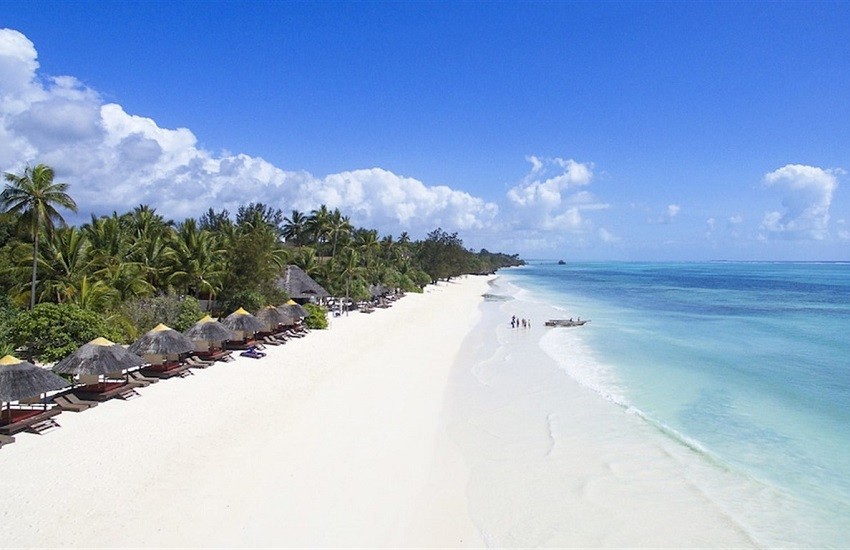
(553,463)
(735,375)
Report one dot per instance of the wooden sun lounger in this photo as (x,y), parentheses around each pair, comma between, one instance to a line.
(140,378)
(77,401)
(181,370)
(31,420)
(66,405)
(271,341)
(217,355)
(198,363)
(133,383)
(107,390)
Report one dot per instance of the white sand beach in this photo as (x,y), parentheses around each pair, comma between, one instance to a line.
(383,431)
(332,440)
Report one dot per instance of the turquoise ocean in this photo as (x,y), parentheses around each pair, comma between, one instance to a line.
(744,365)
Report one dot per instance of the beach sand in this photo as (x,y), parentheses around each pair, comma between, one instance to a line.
(336,439)
(429,424)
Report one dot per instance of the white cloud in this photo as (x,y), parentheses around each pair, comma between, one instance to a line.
(547,198)
(806,198)
(607,236)
(673,210)
(115,160)
(667,216)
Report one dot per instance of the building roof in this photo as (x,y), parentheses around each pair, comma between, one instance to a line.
(299,285)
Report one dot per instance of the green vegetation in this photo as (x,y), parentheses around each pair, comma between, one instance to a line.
(127,272)
(318,317)
(55,330)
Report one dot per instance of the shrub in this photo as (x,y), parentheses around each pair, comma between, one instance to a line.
(175,311)
(318,317)
(188,313)
(250,300)
(7,317)
(53,331)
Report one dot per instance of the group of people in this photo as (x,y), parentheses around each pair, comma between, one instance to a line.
(517,323)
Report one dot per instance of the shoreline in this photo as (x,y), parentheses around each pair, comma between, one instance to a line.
(553,463)
(332,440)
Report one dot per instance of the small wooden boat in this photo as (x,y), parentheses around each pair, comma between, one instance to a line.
(566,322)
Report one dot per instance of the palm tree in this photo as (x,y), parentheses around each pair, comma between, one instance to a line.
(295,229)
(65,259)
(349,268)
(318,225)
(92,295)
(366,242)
(340,228)
(110,238)
(197,265)
(35,196)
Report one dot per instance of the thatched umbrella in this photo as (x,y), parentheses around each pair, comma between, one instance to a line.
(243,321)
(271,317)
(288,315)
(21,379)
(210,330)
(299,310)
(162,340)
(100,356)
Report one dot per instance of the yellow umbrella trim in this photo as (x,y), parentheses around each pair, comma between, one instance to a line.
(241,311)
(9,360)
(101,341)
(160,327)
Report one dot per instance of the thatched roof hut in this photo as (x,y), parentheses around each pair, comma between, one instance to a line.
(100,356)
(20,379)
(296,308)
(272,317)
(378,290)
(299,285)
(210,330)
(162,340)
(243,321)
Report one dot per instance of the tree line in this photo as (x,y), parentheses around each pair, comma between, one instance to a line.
(124,269)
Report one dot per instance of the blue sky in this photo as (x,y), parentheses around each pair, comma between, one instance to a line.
(602,130)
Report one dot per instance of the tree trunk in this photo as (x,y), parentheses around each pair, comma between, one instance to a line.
(34,261)
(347,285)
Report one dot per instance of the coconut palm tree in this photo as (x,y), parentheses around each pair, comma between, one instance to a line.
(366,242)
(110,239)
(64,260)
(294,228)
(318,225)
(349,268)
(92,295)
(340,228)
(197,264)
(35,196)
